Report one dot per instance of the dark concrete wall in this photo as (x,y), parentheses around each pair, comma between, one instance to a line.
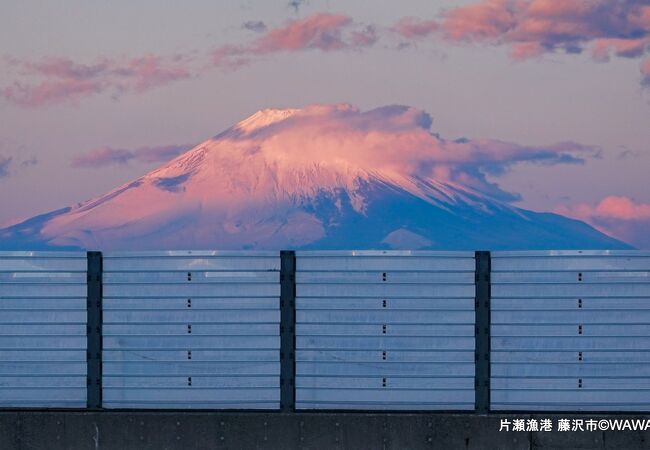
(114,430)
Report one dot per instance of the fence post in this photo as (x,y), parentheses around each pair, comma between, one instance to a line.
(94,330)
(287,330)
(482,332)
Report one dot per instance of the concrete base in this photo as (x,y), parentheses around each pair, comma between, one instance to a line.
(139,430)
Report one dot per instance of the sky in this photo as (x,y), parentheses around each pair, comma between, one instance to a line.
(94,94)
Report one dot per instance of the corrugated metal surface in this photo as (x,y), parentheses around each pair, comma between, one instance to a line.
(385,330)
(570,331)
(191,330)
(43,329)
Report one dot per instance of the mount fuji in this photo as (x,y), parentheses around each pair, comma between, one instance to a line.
(320,177)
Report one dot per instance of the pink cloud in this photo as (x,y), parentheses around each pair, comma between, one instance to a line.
(59,80)
(106,156)
(535,27)
(320,31)
(617,216)
(627,48)
(412,27)
(51,91)
(392,139)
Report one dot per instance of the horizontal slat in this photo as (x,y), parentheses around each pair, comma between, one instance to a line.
(377,382)
(190,342)
(189,316)
(315,329)
(384,406)
(578,369)
(578,343)
(191,368)
(50,290)
(56,330)
(577,316)
(570,407)
(43,355)
(619,383)
(383,263)
(384,368)
(191,394)
(43,264)
(383,290)
(580,277)
(48,395)
(192,290)
(570,330)
(181,404)
(582,396)
(466,356)
(385,277)
(222,329)
(390,303)
(547,304)
(384,317)
(24,368)
(197,355)
(615,356)
(116,382)
(385,396)
(61,316)
(384,343)
(42,342)
(42,303)
(191,263)
(193,303)
(182,277)
(636,261)
(22,278)
(43,382)
(573,289)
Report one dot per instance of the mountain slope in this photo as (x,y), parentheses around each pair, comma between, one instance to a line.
(321,177)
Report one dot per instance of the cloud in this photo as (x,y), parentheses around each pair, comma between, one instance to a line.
(411,27)
(61,80)
(531,28)
(254,25)
(107,156)
(617,216)
(5,163)
(321,31)
(393,139)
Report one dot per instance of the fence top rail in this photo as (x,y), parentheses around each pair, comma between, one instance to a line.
(340,253)
(191,253)
(42,254)
(576,253)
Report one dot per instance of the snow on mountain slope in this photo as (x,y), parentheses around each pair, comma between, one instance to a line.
(325,176)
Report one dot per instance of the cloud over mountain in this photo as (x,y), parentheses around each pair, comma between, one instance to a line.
(618,216)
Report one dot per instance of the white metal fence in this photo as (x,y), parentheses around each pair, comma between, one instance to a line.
(385,330)
(570,331)
(191,330)
(42,329)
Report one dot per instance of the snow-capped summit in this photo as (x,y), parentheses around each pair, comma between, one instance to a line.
(324,176)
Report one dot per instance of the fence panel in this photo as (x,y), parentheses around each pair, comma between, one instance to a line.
(43,329)
(385,330)
(192,329)
(570,331)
